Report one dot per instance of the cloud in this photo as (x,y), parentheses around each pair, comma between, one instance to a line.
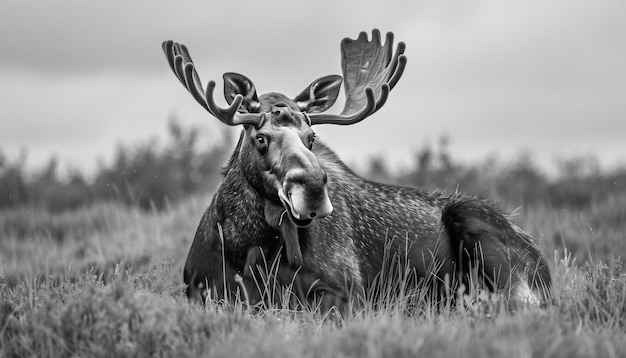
(71,35)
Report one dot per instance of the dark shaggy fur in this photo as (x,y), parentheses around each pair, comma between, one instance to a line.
(438,235)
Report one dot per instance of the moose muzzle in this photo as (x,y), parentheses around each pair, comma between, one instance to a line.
(304,194)
(303,188)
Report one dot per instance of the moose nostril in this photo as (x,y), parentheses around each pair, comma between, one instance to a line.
(312,215)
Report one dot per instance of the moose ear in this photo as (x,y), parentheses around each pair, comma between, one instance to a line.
(320,94)
(234,84)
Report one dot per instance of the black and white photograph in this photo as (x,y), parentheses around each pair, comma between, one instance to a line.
(312,179)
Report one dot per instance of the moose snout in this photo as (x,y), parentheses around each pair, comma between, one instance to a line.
(305,206)
(307,196)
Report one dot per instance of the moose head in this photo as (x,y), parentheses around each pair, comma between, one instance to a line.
(276,151)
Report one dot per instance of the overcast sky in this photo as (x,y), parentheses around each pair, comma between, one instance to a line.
(549,77)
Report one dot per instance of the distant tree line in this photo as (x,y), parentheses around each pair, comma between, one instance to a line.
(578,183)
(150,176)
(147,175)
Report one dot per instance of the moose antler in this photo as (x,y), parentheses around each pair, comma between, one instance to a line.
(370,72)
(182,65)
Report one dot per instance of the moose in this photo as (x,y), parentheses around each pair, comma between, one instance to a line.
(287,197)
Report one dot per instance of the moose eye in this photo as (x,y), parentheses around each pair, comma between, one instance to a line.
(261,143)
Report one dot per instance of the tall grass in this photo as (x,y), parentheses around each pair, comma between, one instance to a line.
(41,243)
(108,283)
(147,315)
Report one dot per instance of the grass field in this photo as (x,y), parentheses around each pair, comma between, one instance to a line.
(107,281)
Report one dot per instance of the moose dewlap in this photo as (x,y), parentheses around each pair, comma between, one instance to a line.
(290,212)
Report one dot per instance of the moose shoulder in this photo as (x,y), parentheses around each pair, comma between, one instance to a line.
(287,198)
